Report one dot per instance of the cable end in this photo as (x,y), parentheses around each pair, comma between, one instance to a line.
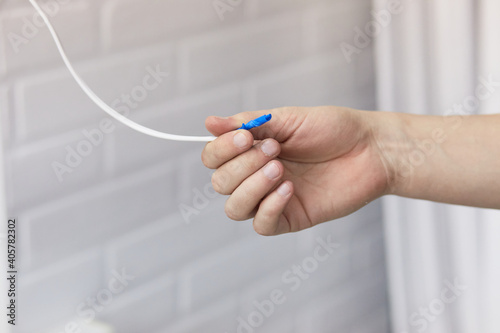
(256,122)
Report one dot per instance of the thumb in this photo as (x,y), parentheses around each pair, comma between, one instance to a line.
(218,125)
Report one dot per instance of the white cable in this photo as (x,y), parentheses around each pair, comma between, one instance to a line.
(99,102)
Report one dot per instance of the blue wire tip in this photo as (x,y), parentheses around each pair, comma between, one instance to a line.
(256,122)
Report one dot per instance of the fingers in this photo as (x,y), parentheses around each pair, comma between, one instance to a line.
(231,174)
(218,126)
(247,196)
(248,171)
(270,219)
(226,147)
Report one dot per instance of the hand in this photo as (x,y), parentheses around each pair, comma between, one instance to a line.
(304,167)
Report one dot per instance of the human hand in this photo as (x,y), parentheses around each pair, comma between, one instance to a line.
(304,167)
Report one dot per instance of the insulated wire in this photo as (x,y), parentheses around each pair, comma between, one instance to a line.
(100,103)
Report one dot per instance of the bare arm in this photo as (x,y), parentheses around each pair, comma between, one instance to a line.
(453,159)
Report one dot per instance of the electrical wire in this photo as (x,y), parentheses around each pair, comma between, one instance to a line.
(256,122)
(100,103)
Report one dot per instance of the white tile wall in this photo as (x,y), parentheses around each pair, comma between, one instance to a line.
(167,20)
(53,292)
(119,209)
(27,44)
(343,309)
(157,300)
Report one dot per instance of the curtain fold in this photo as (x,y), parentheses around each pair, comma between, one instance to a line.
(489,230)
(430,58)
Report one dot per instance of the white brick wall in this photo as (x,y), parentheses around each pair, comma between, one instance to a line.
(119,207)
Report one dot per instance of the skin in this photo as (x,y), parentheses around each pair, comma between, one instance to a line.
(312,165)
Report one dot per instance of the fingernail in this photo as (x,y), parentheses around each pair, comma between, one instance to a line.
(284,190)
(272,171)
(270,148)
(240,140)
(221,118)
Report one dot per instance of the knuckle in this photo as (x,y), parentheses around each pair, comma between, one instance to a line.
(261,229)
(219,182)
(215,183)
(205,156)
(213,156)
(264,132)
(204,159)
(232,212)
(218,155)
(240,165)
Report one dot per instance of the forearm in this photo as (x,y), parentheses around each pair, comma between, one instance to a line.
(452,159)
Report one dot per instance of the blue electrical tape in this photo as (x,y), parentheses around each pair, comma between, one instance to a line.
(256,122)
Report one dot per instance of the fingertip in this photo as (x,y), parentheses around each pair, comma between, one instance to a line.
(285,190)
(271,147)
(243,139)
(226,147)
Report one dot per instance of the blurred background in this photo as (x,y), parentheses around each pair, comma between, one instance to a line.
(94,199)
(120,232)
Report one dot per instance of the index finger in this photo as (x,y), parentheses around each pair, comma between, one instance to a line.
(226,147)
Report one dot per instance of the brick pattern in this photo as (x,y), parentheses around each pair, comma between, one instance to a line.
(117,206)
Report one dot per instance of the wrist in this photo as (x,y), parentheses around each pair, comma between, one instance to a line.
(390,135)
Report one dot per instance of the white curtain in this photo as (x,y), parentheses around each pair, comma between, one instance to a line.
(430,57)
